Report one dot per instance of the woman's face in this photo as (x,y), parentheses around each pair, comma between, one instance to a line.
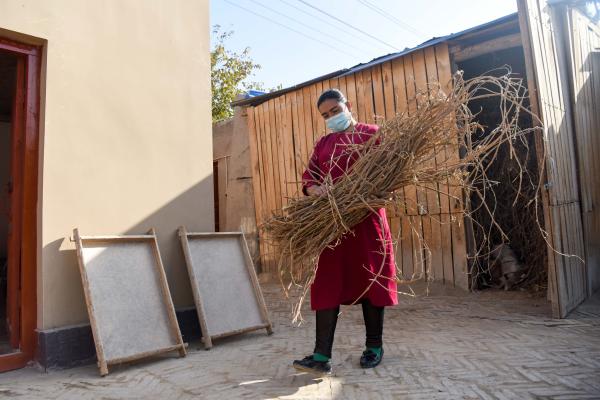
(331,107)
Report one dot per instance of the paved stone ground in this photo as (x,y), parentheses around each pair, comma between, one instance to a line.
(488,345)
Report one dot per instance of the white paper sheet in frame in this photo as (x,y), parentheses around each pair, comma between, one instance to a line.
(129,309)
(229,300)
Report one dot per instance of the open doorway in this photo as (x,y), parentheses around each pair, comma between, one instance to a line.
(511,255)
(20,69)
(8,70)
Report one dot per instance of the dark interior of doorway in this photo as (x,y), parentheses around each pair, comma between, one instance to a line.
(7,91)
(516,214)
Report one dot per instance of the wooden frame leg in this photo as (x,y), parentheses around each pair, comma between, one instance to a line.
(103,368)
(207,342)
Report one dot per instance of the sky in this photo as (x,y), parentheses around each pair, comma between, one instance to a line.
(298,40)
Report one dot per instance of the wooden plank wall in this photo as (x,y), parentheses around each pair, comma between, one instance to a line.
(585,55)
(283,131)
(543,27)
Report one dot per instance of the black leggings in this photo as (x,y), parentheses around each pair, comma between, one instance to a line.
(327,320)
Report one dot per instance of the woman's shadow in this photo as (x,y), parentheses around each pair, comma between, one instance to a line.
(294,383)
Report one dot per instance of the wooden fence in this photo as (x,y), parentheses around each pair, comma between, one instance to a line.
(545,28)
(585,56)
(284,129)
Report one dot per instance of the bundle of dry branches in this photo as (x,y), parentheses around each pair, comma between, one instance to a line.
(419,149)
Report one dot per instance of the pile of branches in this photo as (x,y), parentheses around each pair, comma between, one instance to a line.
(515,183)
(421,149)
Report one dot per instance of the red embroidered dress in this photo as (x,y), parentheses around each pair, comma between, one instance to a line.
(344,272)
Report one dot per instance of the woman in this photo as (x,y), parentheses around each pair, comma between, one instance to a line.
(345,272)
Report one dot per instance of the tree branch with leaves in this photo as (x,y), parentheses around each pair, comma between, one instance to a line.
(229,70)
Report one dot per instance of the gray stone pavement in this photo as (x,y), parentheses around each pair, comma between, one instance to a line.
(449,345)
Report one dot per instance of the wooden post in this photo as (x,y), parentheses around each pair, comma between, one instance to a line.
(196,293)
(102,365)
(162,278)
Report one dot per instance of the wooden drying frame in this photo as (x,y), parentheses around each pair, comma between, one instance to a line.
(206,337)
(103,363)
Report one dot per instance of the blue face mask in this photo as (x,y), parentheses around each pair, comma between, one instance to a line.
(339,122)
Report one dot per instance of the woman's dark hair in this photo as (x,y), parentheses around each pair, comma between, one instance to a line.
(334,94)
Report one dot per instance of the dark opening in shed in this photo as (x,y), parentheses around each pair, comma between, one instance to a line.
(510,251)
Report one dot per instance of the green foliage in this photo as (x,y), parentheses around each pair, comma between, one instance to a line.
(229,70)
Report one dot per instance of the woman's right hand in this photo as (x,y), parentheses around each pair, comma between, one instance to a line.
(315,190)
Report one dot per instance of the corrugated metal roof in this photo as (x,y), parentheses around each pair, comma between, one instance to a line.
(379,60)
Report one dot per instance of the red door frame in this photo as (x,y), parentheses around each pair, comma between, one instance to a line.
(15,192)
(24,209)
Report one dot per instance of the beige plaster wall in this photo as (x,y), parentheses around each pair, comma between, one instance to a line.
(240,195)
(222,132)
(222,137)
(126,132)
(236,197)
